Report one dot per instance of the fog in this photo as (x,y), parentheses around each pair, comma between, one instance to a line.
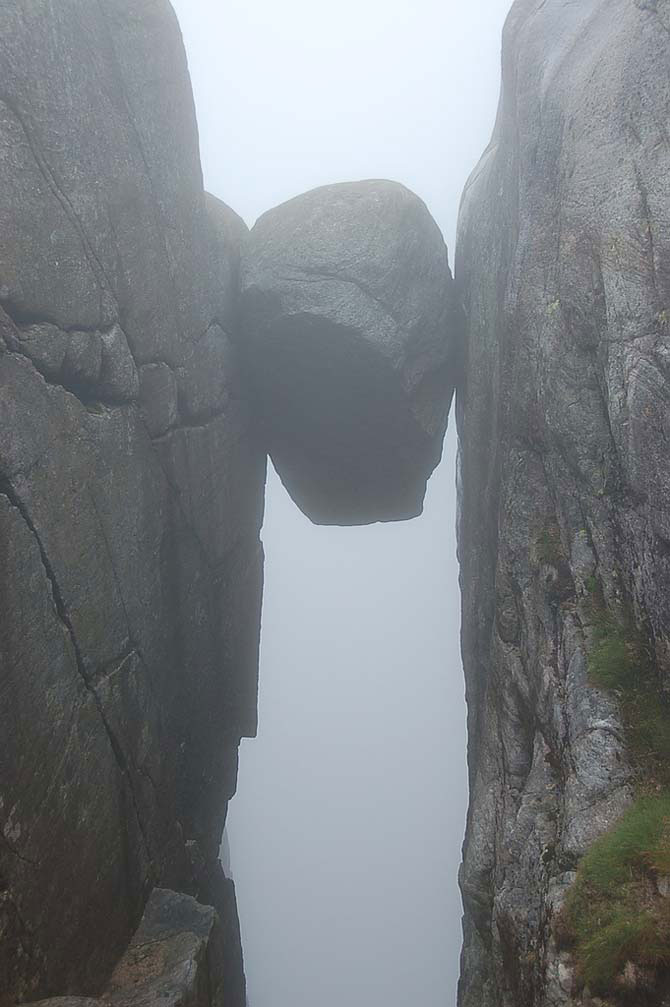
(345,834)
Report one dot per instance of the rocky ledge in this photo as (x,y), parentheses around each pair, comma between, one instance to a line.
(177,958)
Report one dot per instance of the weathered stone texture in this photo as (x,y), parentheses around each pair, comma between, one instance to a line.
(563,264)
(176,958)
(351,339)
(131,494)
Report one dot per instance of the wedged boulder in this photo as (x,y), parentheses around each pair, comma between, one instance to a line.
(351,341)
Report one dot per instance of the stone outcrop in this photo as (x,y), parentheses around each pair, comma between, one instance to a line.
(131,495)
(563,266)
(151,351)
(351,340)
(132,475)
(176,958)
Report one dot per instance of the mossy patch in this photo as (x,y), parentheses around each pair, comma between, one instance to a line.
(614,659)
(611,912)
(646,714)
(614,913)
(548,545)
(619,661)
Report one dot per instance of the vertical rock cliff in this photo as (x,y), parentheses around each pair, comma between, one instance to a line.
(563,265)
(131,496)
(132,479)
(135,312)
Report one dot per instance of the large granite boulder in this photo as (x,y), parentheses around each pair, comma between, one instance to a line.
(562,263)
(351,338)
(131,493)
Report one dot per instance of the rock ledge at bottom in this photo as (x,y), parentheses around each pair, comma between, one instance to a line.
(175,959)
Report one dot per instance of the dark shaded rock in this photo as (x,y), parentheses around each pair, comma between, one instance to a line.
(204,376)
(119,380)
(82,363)
(69,1002)
(46,345)
(176,959)
(215,889)
(95,366)
(351,337)
(227,233)
(158,397)
(562,264)
(131,564)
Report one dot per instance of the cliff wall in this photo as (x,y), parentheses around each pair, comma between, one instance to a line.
(563,266)
(132,467)
(132,471)
(131,495)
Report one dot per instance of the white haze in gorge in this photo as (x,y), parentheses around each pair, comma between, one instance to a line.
(346,830)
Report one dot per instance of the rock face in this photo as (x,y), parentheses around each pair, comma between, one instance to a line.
(351,339)
(176,959)
(132,479)
(131,495)
(131,484)
(563,264)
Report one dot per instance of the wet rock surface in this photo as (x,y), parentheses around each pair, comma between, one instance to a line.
(351,341)
(131,496)
(562,264)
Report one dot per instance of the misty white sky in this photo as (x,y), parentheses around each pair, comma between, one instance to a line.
(346,831)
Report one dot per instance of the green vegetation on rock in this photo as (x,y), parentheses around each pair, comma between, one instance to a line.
(614,660)
(613,914)
(618,661)
(548,545)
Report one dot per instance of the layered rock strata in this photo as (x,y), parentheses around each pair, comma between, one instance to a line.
(131,494)
(351,340)
(563,265)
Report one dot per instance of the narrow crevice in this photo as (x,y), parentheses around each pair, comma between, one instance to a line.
(201,422)
(116,666)
(134,645)
(8,491)
(25,319)
(85,396)
(92,403)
